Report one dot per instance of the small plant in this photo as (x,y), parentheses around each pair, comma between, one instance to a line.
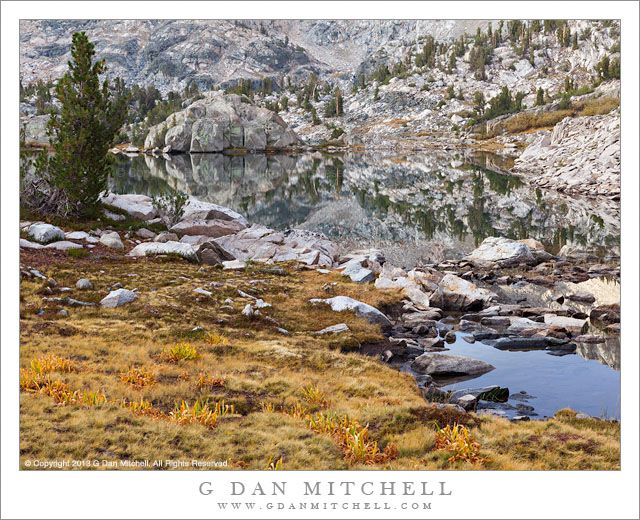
(458,440)
(314,396)
(180,351)
(143,407)
(138,377)
(77,253)
(205,380)
(215,339)
(267,407)
(51,363)
(170,206)
(277,465)
(200,412)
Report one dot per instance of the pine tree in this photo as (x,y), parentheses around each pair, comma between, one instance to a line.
(574,46)
(83,131)
(540,97)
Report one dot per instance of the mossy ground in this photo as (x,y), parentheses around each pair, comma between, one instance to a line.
(259,365)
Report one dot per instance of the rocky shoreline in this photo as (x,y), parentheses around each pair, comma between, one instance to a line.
(511,294)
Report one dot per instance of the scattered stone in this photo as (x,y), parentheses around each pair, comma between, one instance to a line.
(118,297)
(459,294)
(573,325)
(162,248)
(334,329)
(214,228)
(212,253)
(112,240)
(63,245)
(589,338)
(261,304)
(248,310)
(467,402)
(344,303)
(202,291)
(77,235)
(449,365)
(45,233)
(166,237)
(450,337)
(113,216)
(469,339)
(606,313)
(234,265)
(29,244)
(520,418)
(502,251)
(146,233)
(84,284)
(63,312)
(139,206)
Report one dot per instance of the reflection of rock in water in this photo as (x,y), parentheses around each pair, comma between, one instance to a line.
(606,353)
(440,204)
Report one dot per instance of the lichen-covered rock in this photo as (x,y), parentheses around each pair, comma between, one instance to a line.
(364,310)
(212,228)
(212,253)
(138,206)
(118,298)
(112,240)
(219,122)
(44,233)
(262,244)
(435,363)
(163,248)
(502,251)
(458,294)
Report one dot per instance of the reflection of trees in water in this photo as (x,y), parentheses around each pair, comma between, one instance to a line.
(468,200)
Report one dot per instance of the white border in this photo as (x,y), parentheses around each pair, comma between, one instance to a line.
(175,495)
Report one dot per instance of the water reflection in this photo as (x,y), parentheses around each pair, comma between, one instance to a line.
(427,206)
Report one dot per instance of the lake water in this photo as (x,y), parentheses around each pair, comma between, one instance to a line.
(586,381)
(421,207)
(417,208)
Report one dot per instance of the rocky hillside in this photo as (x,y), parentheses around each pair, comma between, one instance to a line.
(170,54)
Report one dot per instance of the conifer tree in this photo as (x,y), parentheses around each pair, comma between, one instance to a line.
(81,134)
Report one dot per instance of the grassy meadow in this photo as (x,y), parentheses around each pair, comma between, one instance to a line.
(175,375)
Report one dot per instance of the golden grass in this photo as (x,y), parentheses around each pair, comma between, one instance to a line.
(598,106)
(527,121)
(257,371)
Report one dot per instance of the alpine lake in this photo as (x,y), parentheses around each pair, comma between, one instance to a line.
(419,208)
